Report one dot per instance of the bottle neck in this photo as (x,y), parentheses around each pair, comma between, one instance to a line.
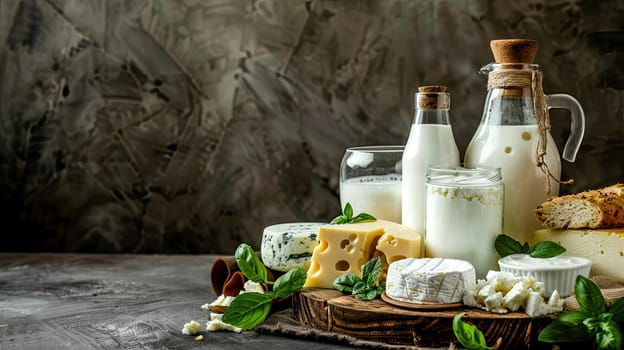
(432,116)
(509,107)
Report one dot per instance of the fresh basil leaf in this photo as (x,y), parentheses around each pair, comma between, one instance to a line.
(290,282)
(617,310)
(572,318)
(609,336)
(248,310)
(546,249)
(560,332)
(249,264)
(506,245)
(371,271)
(346,282)
(382,287)
(592,324)
(525,248)
(362,287)
(363,217)
(588,296)
(468,335)
(340,219)
(347,216)
(367,295)
(348,212)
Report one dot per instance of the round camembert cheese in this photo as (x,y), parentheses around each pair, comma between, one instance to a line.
(286,246)
(429,280)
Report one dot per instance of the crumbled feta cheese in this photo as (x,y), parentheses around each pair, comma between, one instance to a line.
(516,296)
(251,286)
(494,301)
(222,300)
(555,302)
(501,292)
(215,324)
(191,328)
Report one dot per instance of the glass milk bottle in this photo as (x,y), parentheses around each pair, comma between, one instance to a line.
(514,134)
(464,215)
(430,142)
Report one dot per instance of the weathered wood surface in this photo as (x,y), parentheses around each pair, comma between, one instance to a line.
(377,320)
(71,301)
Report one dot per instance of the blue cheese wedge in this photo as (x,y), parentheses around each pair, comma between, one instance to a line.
(290,245)
(429,280)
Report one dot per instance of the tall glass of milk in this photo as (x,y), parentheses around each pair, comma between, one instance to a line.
(370,179)
(464,214)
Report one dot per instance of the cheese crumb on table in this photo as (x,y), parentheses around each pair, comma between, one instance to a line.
(222,300)
(191,328)
(215,324)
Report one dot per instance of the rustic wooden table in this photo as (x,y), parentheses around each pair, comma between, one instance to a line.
(89,301)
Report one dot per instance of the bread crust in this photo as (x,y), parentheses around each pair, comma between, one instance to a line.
(601,208)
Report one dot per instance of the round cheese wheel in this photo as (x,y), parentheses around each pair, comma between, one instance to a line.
(429,280)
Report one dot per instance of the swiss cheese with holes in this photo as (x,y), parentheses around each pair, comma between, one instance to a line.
(345,248)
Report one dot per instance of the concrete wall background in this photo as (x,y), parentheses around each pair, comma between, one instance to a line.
(188,126)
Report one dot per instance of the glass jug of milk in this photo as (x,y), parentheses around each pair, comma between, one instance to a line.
(430,142)
(514,134)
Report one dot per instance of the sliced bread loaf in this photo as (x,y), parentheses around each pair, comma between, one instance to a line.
(601,208)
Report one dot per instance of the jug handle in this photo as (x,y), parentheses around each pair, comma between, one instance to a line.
(577,126)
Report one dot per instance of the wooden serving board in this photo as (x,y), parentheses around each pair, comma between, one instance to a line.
(376,320)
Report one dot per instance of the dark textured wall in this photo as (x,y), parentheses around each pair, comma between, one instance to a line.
(187,126)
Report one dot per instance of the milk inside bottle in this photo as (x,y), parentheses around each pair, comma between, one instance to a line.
(430,142)
(514,134)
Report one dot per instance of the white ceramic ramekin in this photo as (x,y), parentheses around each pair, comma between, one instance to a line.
(558,273)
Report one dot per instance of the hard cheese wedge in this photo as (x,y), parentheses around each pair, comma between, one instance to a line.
(604,247)
(345,248)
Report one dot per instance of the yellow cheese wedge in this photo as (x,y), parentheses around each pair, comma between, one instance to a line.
(604,247)
(345,248)
(398,242)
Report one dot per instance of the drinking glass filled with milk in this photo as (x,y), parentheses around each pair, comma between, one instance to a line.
(370,179)
(464,214)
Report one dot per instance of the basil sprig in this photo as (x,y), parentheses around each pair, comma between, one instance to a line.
(249,264)
(469,335)
(250,309)
(506,245)
(348,218)
(364,288)
(594,322)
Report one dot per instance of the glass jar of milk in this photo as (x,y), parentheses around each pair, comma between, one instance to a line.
(430,142)
(464,215)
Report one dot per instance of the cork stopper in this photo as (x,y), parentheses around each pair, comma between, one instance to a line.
(432,88)
(432,97)
(514,50)
(512,54)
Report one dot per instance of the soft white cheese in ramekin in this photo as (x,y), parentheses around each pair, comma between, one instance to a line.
(558,273)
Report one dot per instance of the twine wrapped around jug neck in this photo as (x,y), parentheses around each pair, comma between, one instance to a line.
(514,78)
